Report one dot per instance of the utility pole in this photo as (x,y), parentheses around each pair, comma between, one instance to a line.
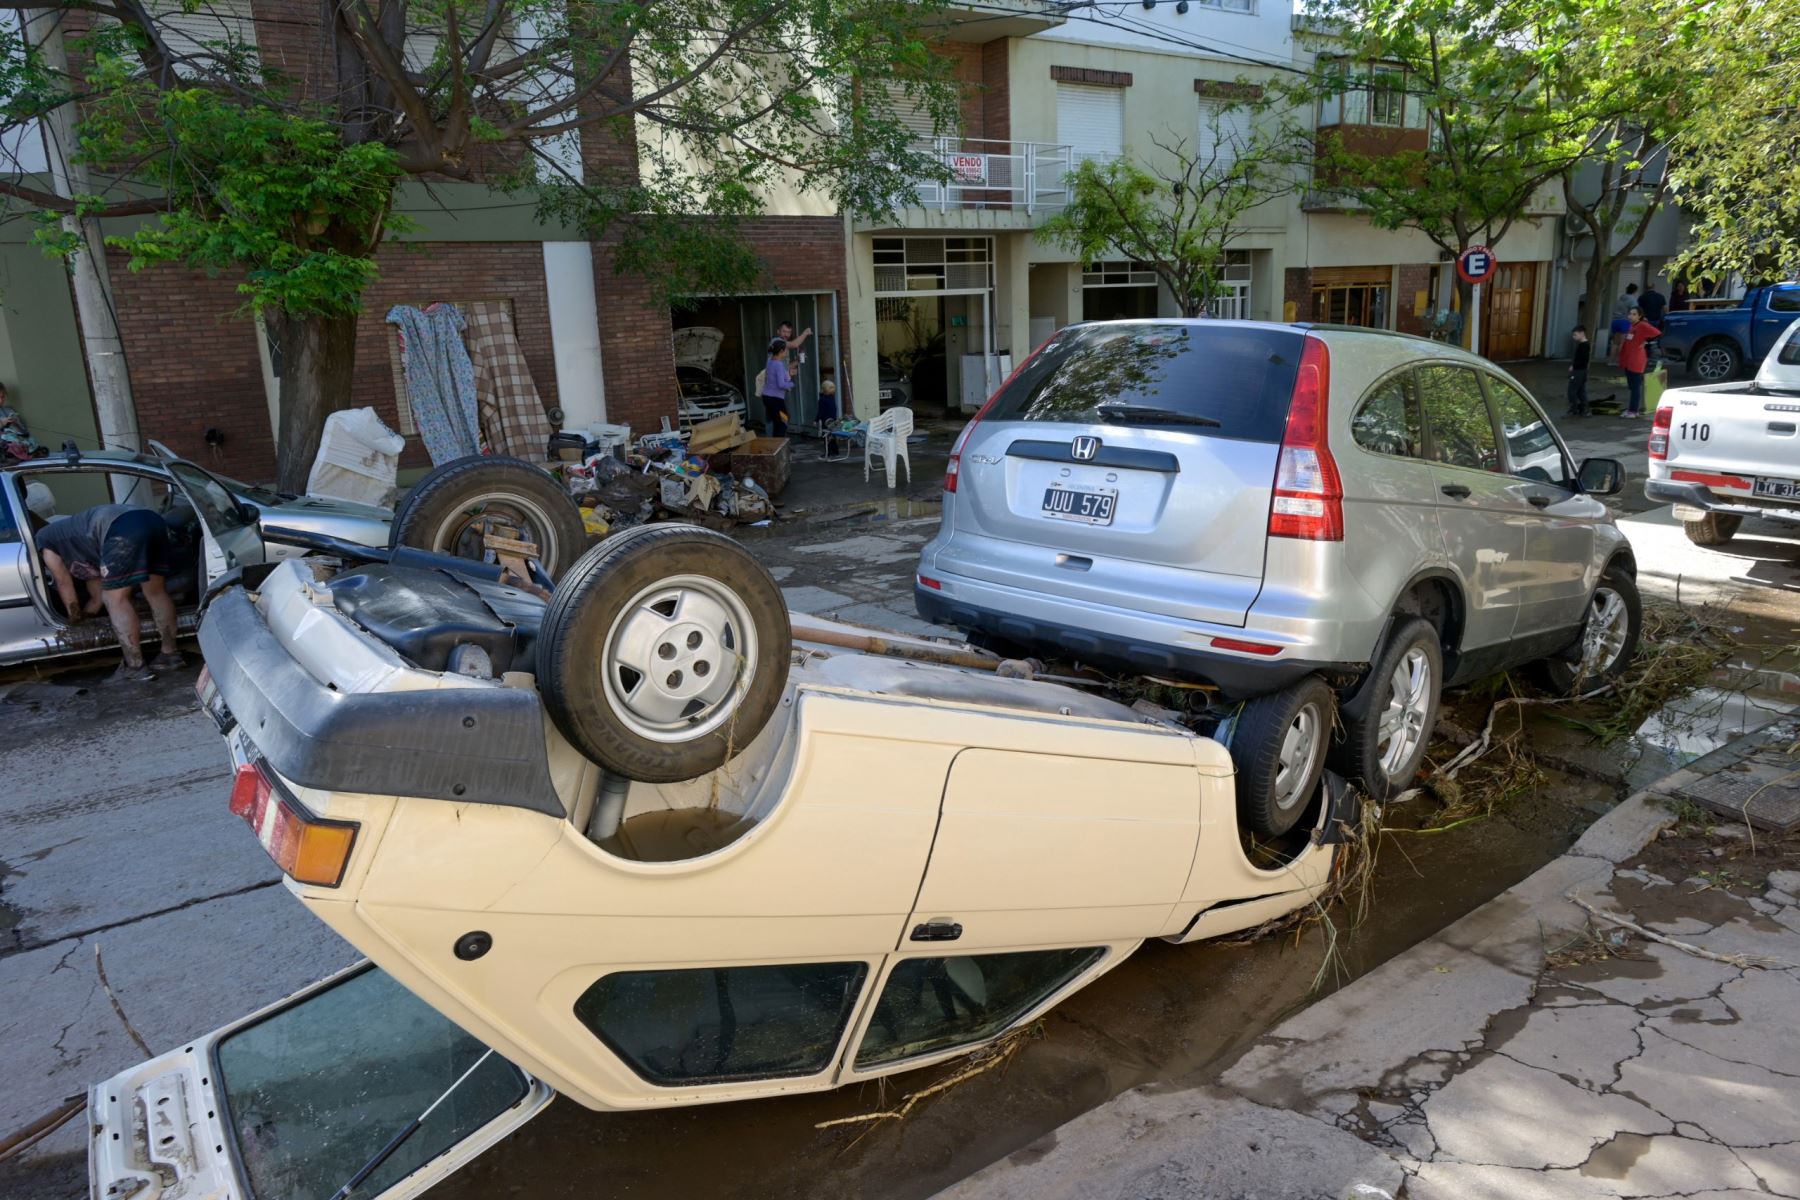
(101,343)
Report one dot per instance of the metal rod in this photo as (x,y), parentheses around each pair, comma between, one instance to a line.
(411,1127)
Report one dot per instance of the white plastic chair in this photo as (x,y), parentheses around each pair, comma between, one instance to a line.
(887,436)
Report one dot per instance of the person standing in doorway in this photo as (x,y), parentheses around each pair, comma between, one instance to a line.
(795,345)
(776,385)
(1634,358)
(121,548)
(1654,304)
(1578,369)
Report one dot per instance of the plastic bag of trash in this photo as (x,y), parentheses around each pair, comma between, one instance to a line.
(357,460)
(752,501)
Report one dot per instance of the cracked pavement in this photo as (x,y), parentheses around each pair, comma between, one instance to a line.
(114,836)
(1530,1050)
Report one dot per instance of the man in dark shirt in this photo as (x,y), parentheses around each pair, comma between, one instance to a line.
(1654,304)
(1578,369)
(114,549)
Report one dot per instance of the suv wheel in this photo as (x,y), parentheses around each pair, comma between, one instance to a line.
(1278,745)
(1388,724)
(1714,529)
(1608,640)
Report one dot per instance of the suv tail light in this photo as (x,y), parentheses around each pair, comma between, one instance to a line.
(1309,495)
(953,468)
(309,849)
(1659,433)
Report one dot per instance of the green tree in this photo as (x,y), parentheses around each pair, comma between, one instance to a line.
(1457,115)
(707,104)
(1736,168)
(1180,217)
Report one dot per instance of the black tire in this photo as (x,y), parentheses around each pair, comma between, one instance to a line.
(447,510)
(1716,360)
(1573,671)
(1273,792)
(1385,731)
(607,624)
(1713,529)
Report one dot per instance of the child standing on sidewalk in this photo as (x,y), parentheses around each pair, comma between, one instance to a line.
(1578,369)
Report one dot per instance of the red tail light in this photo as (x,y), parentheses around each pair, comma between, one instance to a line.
(1659,433)
(1309,495)
(953,468)
(1244,647)
(305,847)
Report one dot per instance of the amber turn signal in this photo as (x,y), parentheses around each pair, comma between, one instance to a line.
(307,848)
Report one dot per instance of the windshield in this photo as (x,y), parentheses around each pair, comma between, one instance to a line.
(1240,376)
(251,491)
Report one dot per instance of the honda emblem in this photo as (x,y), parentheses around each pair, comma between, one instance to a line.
(1084,448)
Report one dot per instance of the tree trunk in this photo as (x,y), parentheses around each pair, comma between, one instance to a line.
(1596,310)
(318,358)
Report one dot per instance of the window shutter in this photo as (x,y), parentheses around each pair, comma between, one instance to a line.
(1224,131)
(1091,120)
(910,113)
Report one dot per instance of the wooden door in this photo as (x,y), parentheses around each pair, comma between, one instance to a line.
(1509,305)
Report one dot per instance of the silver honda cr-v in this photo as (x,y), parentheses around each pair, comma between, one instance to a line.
(1323,525)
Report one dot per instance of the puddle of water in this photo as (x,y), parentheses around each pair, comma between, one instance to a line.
(1740,699)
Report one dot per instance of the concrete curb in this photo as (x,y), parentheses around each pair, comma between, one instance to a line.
(1278,1123)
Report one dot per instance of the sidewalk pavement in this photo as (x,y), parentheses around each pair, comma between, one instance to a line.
(1536,1048)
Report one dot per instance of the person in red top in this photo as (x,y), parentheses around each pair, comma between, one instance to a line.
(1634,360)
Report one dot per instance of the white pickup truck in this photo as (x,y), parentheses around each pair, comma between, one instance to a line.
(1725,451)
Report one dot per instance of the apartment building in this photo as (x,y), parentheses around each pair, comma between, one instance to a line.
(933,305)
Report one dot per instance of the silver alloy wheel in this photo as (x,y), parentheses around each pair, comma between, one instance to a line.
(1713,363)
(1402,725)
(1603,640)
(462,531)
(678,658)
(1300,749)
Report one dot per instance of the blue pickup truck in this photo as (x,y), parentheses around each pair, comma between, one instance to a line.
(1716,343)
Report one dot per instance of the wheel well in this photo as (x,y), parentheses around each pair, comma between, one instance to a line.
(1438,601)
(1623,558)
(1723,339)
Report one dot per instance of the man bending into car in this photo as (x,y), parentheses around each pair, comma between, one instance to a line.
(116,549)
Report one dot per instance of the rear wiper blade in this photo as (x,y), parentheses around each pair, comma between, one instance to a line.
(1153,416)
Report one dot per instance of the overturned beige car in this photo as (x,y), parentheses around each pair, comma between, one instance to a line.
(651,845)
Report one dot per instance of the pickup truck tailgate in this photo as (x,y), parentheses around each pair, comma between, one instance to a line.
(1734,438)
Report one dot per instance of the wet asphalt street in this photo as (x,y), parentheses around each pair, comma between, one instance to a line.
(115,841)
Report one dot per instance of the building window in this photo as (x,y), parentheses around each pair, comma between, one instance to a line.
(1233,301)
(1118,272)
(1377,95)
(1090,121)
(927,264)
(1232,6)
(1223,136)
(1353,296)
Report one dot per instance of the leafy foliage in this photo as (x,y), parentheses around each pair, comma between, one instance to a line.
(1180,217)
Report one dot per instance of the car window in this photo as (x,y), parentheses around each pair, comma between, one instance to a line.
(219,509)
(1531,445)
(9,527)
(713,1024)
(932,1004)
(1388,421)
(1238,376)
(1788,301)
(303,1130)
(1462,434)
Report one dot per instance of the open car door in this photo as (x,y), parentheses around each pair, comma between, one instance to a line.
(293,1102)
(229,530)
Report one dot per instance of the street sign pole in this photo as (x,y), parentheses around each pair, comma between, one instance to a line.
(1475,321)
(1475,266)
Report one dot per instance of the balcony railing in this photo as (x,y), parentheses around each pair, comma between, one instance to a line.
(987,174)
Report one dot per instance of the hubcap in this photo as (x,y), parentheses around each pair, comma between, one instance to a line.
(461,532)
(1712,363)
(1299,750)
(1604,638)
(678,657)
(1402,726)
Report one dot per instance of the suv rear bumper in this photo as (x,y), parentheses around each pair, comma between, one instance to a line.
(1132,641)
(1702,498)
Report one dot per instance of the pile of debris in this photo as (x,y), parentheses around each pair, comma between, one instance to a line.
(718,474)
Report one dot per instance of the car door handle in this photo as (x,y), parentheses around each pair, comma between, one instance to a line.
(1455,491)
(1538,501)
(937,931)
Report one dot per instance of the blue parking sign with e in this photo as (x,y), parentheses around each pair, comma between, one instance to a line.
(1476,264)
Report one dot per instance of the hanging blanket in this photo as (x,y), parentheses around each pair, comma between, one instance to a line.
(512,414)
(440,379)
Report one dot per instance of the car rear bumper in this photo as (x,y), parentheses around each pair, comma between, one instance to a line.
(1117,638)
(1703,499)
